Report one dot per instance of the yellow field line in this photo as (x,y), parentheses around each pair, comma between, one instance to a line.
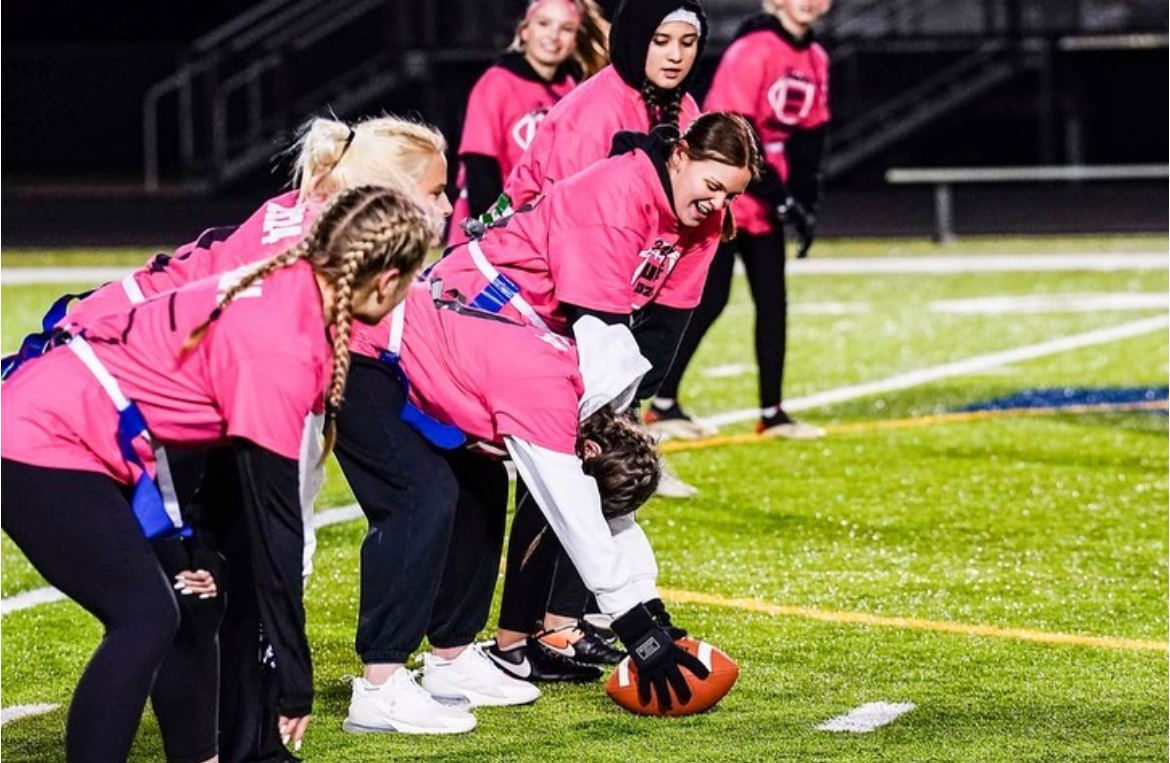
(959,417)
(914,623)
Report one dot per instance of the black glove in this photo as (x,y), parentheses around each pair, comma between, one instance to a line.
(657,658)
(661,617)
(802,222)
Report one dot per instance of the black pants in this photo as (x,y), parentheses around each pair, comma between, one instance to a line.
(79,532)
(431,555)
(763,259)
(540,579)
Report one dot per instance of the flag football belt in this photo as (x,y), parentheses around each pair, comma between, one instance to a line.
(154,502)
(500,290)
(443,436)
(35,345)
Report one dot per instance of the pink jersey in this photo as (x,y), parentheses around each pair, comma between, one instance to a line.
(277,225)
(606,239)
(491,379)
(579,130)
(781,88)
(503,114)
(259,371)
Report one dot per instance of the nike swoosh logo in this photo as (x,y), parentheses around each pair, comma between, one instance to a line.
(521,669)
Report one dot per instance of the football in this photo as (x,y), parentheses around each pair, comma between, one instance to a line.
(622,686)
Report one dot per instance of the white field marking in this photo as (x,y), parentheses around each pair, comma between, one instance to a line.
(27,276)
(1053,303)
(48,594)
(23,711)
(989,263)
(729,370)
(871,715)
(830,308)
(977,364)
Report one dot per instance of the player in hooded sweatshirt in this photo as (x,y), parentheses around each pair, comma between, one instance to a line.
(557,44)
(654,46)
(628,240)
(84,490)
(443,363)
(776,75)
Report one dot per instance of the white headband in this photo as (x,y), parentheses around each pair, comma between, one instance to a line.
(686,17)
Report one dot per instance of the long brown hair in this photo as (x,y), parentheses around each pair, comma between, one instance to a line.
(591,50)
(727,138)
(362,234)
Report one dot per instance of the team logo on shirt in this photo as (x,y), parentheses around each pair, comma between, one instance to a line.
(656,264)
(792,97)
(229,280)
(525,128)
(555,340)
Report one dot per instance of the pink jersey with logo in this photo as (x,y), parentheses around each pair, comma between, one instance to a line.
(780,88)
(606,239)
(274,227)
(491,379)
(579,130)
(503,114)
(258,372)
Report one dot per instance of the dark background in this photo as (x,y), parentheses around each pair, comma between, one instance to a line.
(1092,90)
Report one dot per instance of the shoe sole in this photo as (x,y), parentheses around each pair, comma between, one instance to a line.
(789,432)
(404,728)
(680,430)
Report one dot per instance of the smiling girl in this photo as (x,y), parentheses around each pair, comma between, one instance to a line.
(558,43)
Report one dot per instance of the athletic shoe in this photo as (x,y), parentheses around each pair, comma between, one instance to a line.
(672,422)
(670,486)
(782,425)
(580,643)
(473,677)
(401,705)
(532,662)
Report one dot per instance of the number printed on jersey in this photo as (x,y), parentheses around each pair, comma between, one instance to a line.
(231,278)
(792,98)
(282,222)
(656,264)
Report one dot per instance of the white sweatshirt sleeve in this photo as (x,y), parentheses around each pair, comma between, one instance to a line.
(571,504)
(635,548)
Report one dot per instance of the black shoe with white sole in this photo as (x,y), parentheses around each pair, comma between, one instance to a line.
(532,662)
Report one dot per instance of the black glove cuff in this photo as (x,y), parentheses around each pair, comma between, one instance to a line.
(657,610)
(633,625)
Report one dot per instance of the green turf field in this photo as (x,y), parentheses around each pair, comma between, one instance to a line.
(1007,574)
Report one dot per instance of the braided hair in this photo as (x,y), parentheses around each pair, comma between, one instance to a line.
(627,470)
(362,234)
(662,106)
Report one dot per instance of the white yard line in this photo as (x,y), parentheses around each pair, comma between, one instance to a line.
(977,364)
(870,716)
(48,594)
(983,263)
(23,711)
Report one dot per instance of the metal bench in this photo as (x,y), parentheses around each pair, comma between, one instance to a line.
(942,178)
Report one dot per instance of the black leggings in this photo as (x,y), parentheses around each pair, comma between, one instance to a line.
(431,556)
(77,529)
(763,259)
(547,581)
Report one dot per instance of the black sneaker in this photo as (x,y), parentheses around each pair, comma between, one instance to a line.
(532,662)
(589,648)
(780,424)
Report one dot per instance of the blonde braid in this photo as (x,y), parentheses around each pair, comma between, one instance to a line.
(342,328)
(262,270)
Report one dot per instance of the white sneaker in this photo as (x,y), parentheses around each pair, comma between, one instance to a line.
(475,678)
(401,705)
(671,486)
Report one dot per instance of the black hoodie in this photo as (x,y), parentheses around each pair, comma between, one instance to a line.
(633,29)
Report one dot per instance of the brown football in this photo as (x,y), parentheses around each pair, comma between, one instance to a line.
(622,686)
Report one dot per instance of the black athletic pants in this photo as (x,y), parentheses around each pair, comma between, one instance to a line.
(763,259)
(431,556)
(78,530)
